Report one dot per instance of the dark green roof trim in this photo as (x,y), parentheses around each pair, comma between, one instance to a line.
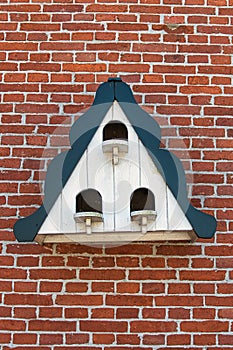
(81,133)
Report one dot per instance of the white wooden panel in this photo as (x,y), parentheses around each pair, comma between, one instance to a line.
(126,181)
(153,180)
(75,184)
(176,217)
(98,137)
(126,176)
(60,218)
(100,176)
(52,223)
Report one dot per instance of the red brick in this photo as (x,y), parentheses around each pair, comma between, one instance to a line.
(63,8)
(219,301)
(37,108)
(72,287)
(5,311)
(225,339)
(152,327)
(6,260)
(49,339)
(53,261)
(103,326)
(28,248)
(5,338)
(200,89)
(153,339)
(151,274)
(61,17)
(115,68)
(13,273)
(23,347)
(24,200)
(28,299)
(204,339)
(77,249)
(125,300)
(157,313)
(99,274)
(179,313)
(74,338)
(202,263)
(52,326)
(132,339)
(102,313)
(204,326)
(80,300)
(55,67)
(204,313)
(126,287)
(13,325)
(97,67)
(106,8)
(224,262)
(25,312)
(188,110)
(179,250)
(127,261)
(225,313)
(103,262)
(153,262)
(179,339)
(50,286)
(223,250)
(179,301)
(127,27)
(78,261)
(25,339)
(103,338)
(37,77)
(125,313)
(202,275)
(82,26)
(174,262)
(14,77)
(76,312)
(178,288)
(25,287)
(52,274)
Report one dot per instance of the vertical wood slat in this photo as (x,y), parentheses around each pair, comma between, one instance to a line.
(126,176)
(152,179)
(100,175)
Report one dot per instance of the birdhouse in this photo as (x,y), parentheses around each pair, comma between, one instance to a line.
(115,184)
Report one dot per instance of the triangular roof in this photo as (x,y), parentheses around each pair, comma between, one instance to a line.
(81,134)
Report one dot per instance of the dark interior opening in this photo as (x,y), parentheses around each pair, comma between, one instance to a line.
(89,200)
(115,130)
(142,199)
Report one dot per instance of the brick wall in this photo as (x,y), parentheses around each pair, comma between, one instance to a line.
(177,57)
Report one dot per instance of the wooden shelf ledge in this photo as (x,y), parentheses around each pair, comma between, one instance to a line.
(117,237)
